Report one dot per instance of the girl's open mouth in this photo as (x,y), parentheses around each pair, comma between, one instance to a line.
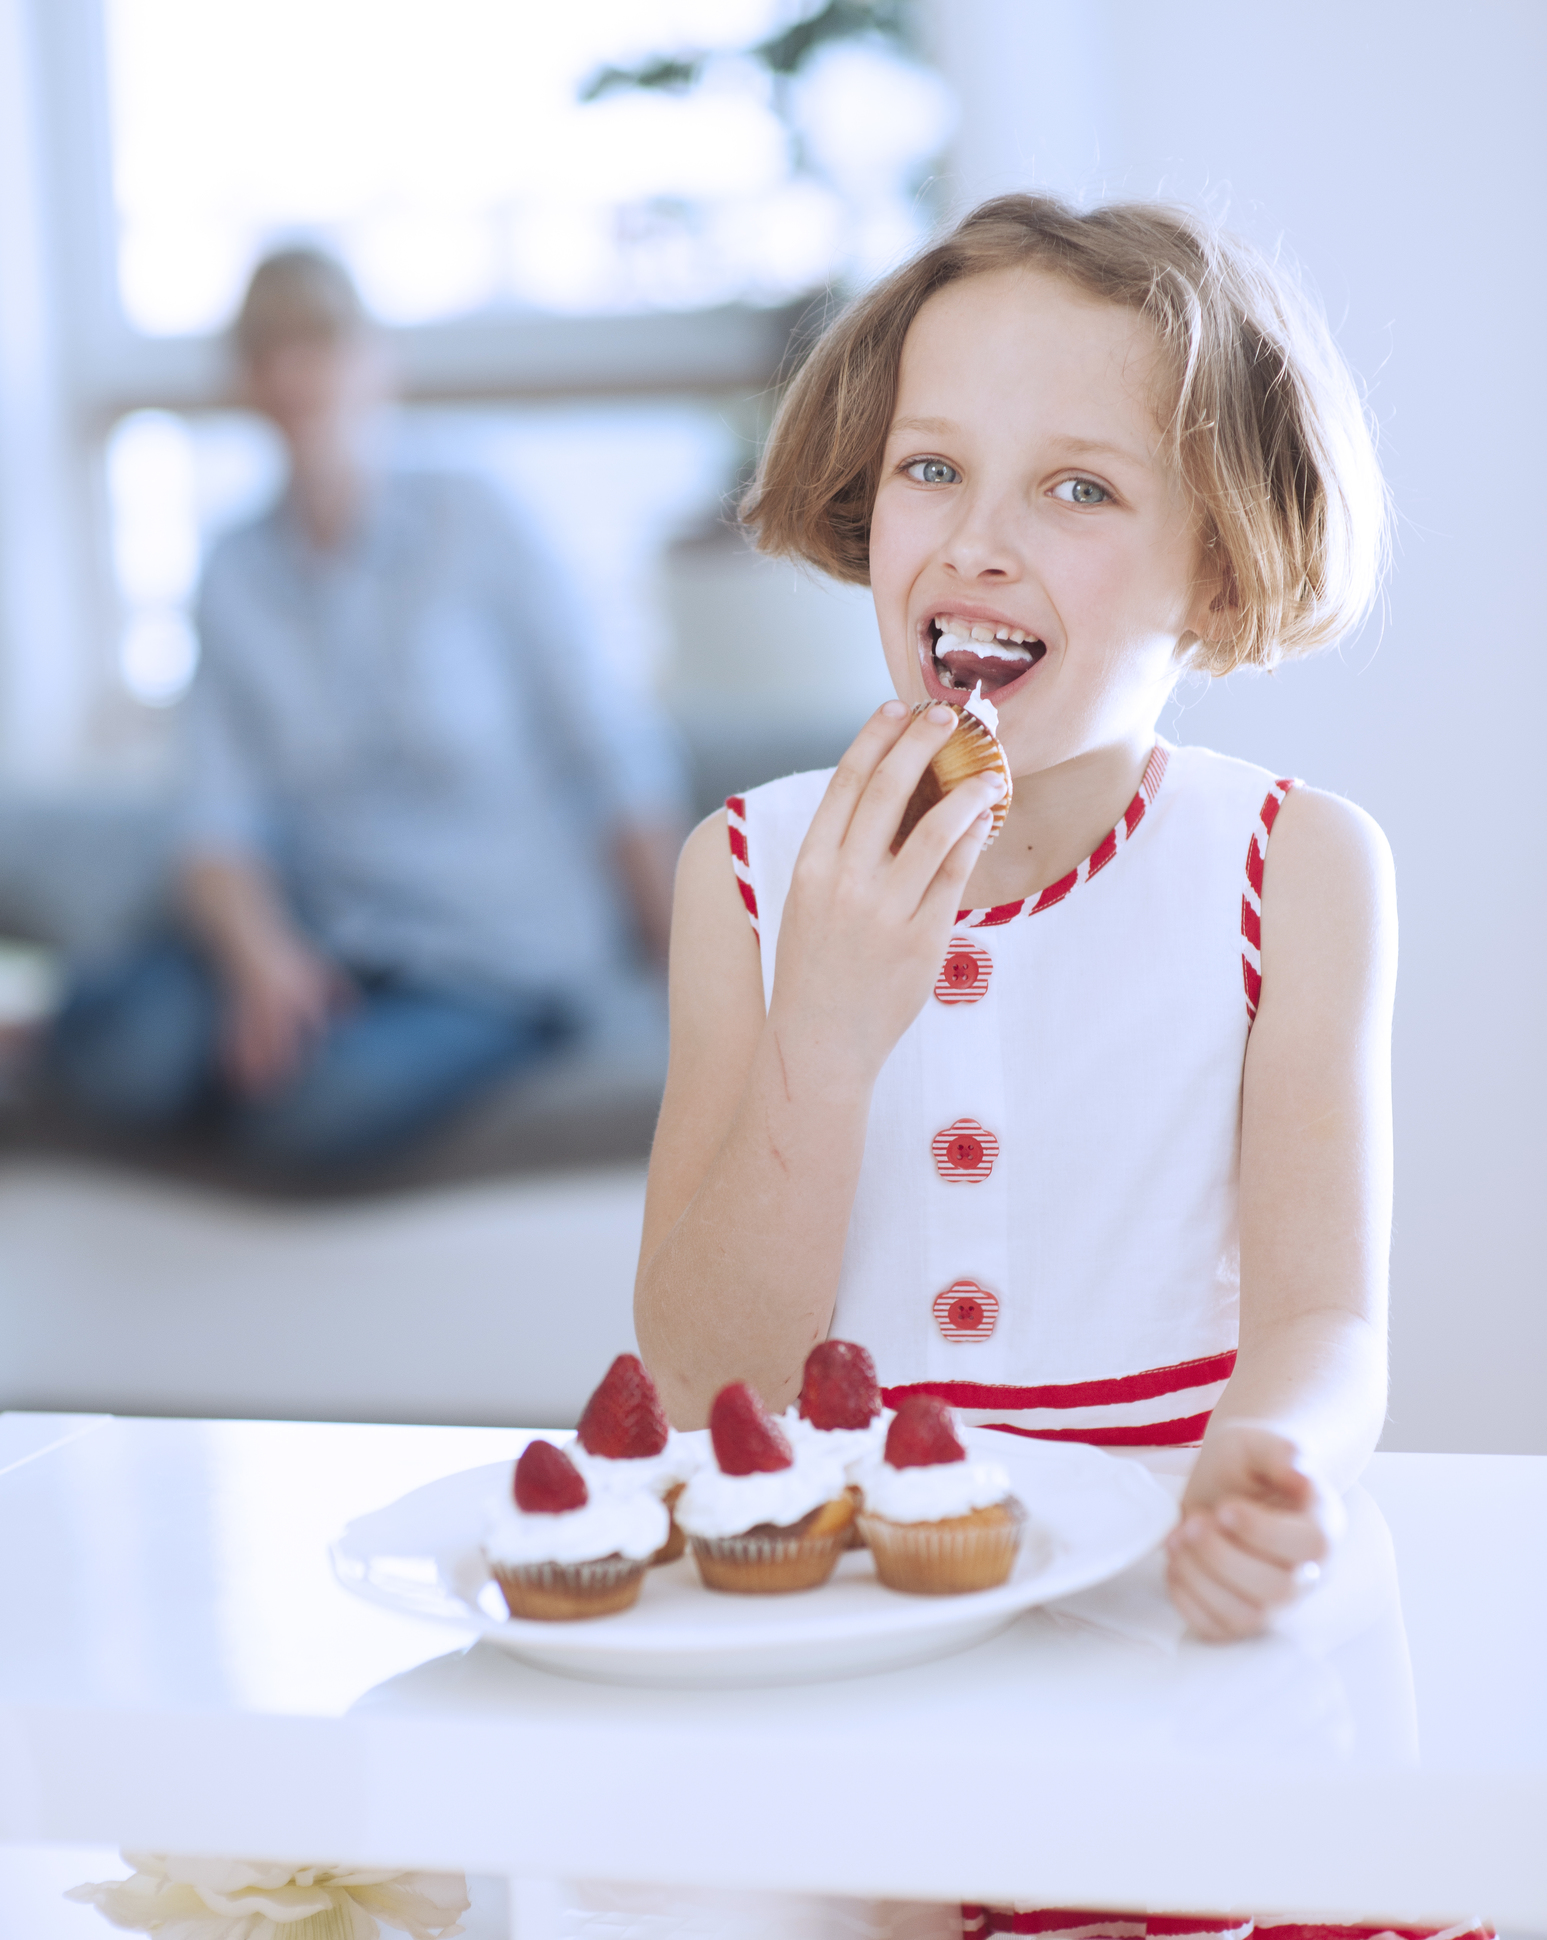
(960,653)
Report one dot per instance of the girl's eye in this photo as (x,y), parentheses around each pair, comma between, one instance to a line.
(1081,491)
(933,471)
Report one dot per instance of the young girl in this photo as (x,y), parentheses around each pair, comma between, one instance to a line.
(1087,1131)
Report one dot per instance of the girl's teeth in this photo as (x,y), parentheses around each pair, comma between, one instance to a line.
(982,633)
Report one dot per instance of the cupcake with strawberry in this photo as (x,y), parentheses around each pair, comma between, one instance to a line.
(558,1552)
(763,1517)
(937,1522)
(625,1443)
(839,1406)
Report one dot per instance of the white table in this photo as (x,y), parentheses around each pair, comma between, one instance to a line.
(179,1671)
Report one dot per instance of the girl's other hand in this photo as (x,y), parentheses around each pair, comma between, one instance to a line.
(864,931)
(1255,1530)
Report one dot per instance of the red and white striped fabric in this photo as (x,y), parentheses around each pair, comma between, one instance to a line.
(736,822)
(1251,896)
(1163,1407)
(1079,1923)
(1104,852)
(1100,1072)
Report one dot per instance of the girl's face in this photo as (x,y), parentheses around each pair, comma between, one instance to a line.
(1027,530)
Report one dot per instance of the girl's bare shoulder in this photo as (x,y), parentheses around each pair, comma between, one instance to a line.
(1329,892)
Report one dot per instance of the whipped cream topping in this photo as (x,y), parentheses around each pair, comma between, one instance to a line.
(610,1524)
(684,1454)
(717,1504)
(934,1492)
(985,710)
(854,1448)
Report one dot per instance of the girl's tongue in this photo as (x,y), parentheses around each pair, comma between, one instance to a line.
(967,654)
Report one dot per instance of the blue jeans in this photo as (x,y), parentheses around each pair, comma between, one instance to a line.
(136,1048)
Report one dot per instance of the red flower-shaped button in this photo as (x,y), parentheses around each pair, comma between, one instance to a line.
(965,973)
(964,1152)
(965,1311)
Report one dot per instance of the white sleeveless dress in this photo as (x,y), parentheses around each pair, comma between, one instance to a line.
(1044,1232)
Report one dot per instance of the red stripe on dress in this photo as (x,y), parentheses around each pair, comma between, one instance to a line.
(737,804)
(748,896)
(1055,892)
(1251,925)
(1078,1923)
(1142,1434)
(1101,856)
(1254,865)
(1253,982)
(738,842)
(736,807)
(1144,1386)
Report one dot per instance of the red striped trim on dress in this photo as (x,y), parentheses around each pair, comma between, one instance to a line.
(1082,1923)
(1251,897)
(1076,1923)
(1097,860)
(1144,1386)
(736,827)
(1122,1405)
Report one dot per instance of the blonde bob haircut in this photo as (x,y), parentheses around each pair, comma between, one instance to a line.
(1261,416)
(298,293)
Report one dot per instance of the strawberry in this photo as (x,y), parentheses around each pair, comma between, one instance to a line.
(547,1481)
(745,1441)
(624,1419)
(839,1389)
(923,1433)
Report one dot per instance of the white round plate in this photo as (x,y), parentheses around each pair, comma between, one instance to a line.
(1090,1516)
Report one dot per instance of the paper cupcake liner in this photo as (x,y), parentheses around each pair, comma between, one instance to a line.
(947,1558)
(557,1592)
(767,1565)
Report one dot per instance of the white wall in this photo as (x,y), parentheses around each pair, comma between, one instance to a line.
(1397,152)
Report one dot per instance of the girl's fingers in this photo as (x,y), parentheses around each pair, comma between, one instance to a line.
(1207,1546)
(940,893)
(1277,1538)
(1199,1621)
(869,748)
(1233,1614)
(896,775)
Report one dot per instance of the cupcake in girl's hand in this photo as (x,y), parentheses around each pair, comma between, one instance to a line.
(557,1551)
(625,1443)
(937,1522)
(763,1517)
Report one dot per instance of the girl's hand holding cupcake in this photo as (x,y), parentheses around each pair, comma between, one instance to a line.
(863,930)
(1255,1530)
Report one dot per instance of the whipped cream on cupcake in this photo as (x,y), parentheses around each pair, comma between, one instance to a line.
(932,1494)
(717,1504)
(852,1448)
(686,1452)
(609,1525)
(550,1516)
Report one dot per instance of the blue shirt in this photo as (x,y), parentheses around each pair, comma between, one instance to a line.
(420,734)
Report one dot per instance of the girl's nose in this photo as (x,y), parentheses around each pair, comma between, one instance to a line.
(982,543)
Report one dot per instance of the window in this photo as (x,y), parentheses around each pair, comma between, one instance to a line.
(473,155)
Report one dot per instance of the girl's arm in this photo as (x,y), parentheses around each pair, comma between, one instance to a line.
(1304,1408)
(762,1128)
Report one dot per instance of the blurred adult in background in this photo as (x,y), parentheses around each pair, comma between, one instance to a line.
(421,816)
